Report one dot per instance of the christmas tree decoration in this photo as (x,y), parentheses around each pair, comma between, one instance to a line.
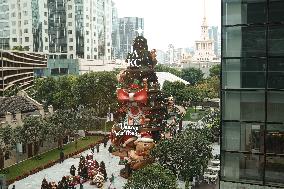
(141,112)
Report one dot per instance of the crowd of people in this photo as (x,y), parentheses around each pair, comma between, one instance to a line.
(88,170)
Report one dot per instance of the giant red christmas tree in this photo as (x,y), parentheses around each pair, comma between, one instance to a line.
(139,119)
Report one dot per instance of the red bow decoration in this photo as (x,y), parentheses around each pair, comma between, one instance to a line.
(139,96)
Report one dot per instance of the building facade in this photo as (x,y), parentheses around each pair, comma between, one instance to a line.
(18,68)
(252,144)
(66,29)
(129,28)
(28,25)
(214,35)
(4,25)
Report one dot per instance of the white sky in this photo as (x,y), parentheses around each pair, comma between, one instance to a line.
(166,21)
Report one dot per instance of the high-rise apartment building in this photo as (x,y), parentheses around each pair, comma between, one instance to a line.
(104,28)
(252,145)
(28,24)
(129,28)
(80,29)
(66,29)
(4,24)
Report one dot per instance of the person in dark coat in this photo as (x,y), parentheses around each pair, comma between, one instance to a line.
(98,147)
(72,170)
(61,156)
(105,142)
(110,148)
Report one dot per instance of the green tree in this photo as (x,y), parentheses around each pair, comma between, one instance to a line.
(6,142)
(43,90)
(19,48)
(192,75)
(12,91)
(194,95)
(63,97)
(176,90)
(62,124)
(186,155)
(152,177)
(214,71)
(96,90)
(32,133)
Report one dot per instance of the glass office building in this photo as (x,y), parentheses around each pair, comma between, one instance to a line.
(252,146)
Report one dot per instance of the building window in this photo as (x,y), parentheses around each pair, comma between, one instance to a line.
(26,39)
(45,13)
(108,50)
(87,32)
(26,22)
(69,23)
(46,39)
(14,31)
(25,13)
(70,48)
(26,30)
(46,31)
(14,40)
(13,14)
(95,56)
(69,7)
(88,48)
(95,49)
(70,39)
(45,22)
(69,31)
(46,48)
(70,15)
(248,105)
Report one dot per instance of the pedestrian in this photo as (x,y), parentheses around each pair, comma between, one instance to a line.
(110,148)
(105,142)
(93,149)
(72,170)
(61,156)
(98,147)
(81,186)
(14,187)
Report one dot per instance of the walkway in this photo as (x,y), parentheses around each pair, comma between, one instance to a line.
(56,172)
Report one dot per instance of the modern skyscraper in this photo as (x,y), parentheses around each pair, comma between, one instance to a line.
(213,35)
(129,28)
(252,145)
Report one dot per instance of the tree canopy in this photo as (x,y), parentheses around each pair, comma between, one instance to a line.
(192,75)
(152,177)
(186,154)
(214,71)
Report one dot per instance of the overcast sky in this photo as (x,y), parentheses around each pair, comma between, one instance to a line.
(177,22)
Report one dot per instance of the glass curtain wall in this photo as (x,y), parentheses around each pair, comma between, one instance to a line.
(252,147)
